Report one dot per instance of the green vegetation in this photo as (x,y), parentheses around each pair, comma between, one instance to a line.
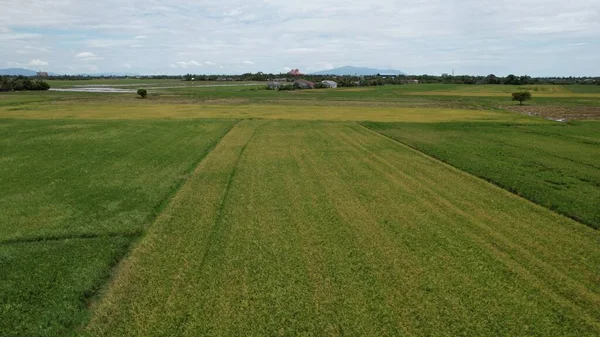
(45,286)
(142,93)
(65,179)
(74,196)
(21,83)
(303,228)
(521,96)
(304,218)
(555,165)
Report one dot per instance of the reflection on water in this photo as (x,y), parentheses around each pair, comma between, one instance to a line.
(96,89)
(110,88)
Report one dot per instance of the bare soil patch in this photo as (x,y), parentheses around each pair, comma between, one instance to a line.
(558,112)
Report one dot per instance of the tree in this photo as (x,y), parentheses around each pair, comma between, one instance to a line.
(21,83)
(512,80)
(521,96)
(142,93)
(491,79)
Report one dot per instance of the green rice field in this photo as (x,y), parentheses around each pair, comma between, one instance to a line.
(388,211)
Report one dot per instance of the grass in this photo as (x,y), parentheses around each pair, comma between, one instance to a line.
(75,194)
(315,228)
(555,165)
(429,96)
(289,111)
(299,221)
(87,178)
(44,286)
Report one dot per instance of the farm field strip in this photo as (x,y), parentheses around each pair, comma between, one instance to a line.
(554,165)
(330,228)
(75,195)
(268,111)
(45,286)
(502,94)
(87,178)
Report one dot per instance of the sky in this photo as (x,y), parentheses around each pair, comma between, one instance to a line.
(473,37)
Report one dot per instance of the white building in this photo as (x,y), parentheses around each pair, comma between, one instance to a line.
(329,84)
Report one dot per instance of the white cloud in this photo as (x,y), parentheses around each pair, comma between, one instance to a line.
(108,43)
(127,65)
(208,63)
(248,62)
(426,36)
(37,63)
(85,54)
(188,64)
(10,36)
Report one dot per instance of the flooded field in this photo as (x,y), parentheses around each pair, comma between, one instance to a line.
(124,88)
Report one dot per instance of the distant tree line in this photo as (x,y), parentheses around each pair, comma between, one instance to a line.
(349,81)
(21,83)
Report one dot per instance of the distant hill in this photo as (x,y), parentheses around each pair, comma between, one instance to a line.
(358,71)
(17,72)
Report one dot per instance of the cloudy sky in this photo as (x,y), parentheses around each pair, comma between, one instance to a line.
(534,37)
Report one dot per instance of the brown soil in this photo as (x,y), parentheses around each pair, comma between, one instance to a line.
(558,112)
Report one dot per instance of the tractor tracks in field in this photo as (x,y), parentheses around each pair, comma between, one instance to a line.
(69,237)
(218,223)
(487,180)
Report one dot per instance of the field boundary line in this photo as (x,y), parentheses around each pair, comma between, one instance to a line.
(454,168)
(150,219)
(132,234)
(160,207)
(219,219)
(92,299)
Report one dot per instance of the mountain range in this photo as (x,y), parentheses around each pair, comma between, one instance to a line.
(17,72)
(358,71)
(341,71)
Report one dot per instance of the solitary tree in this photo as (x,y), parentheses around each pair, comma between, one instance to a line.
(521,96)
(142,93)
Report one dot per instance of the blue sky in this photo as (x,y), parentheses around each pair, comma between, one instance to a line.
(478,37)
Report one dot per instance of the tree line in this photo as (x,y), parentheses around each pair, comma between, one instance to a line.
(21,83)
(364,80)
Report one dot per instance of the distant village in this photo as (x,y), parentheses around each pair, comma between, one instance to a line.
(294,81)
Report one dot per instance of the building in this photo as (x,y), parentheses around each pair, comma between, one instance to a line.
(304,84)
(274,85)
(330,84)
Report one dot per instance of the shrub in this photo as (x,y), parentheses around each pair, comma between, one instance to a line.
(21,83)
(142,93)
(287,87)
